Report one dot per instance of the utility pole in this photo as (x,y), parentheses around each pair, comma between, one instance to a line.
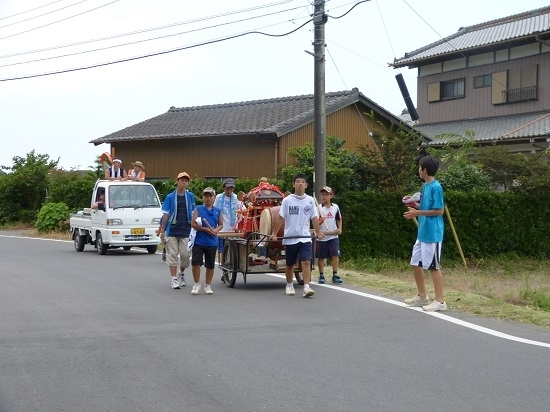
(319,113)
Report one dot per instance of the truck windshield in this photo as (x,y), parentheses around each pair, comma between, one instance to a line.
(135,196)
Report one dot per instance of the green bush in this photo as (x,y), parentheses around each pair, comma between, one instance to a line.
(52,216)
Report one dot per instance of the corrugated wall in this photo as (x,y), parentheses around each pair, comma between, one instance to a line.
(235,156)
(238,156)
(349,123)
(477,102)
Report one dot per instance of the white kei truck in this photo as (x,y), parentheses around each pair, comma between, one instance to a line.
(129,217)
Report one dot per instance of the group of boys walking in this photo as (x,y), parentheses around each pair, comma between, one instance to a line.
(183,220)
(190,231)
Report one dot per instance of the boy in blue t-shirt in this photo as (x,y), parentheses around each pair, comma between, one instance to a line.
(207,221)
(426,253)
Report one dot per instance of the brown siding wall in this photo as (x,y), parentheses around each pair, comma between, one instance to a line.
(349,123)
(477,102)
(233,156)
(239,156)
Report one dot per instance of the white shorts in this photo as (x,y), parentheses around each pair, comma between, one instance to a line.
(177,247)
(427,255)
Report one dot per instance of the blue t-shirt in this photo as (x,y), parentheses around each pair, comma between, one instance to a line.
(212,216)
(430,228)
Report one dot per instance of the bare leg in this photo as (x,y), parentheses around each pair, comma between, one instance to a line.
(173,271)
(196,273)
(306,271)
(335,262)
(209,276)
(289,273)
(418,273)
(321,265)
(437,277)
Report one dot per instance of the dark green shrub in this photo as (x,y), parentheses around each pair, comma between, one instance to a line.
(52,216)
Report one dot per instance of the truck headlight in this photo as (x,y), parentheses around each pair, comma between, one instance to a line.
(155,221)
(114,222)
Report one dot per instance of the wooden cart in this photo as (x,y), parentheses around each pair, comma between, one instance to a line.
(240,256)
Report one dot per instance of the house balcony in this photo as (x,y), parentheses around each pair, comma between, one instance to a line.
(520,94)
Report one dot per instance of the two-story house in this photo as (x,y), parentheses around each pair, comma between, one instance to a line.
(492,78)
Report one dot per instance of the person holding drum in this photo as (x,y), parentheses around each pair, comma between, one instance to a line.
(296,211)
(329,247)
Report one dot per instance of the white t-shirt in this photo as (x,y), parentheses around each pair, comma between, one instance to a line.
(332,216)
(297,212)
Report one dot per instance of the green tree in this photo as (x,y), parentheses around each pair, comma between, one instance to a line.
(24,190)
(345,169)
(391,163)
(460,170)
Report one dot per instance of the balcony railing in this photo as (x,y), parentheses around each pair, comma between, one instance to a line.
(520,94)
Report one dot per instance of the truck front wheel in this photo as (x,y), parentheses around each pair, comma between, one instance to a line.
(152,249)
(101,247)
(79,241)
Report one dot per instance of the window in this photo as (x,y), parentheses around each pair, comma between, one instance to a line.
(452,89)
(515,85)
(483,81)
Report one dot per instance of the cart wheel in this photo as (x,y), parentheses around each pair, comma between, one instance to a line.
(230,264)
(299,278)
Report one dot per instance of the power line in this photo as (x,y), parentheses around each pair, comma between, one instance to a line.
(44,14)
(23,12)
(155,54)
(58,21)
(151,39)
(152,29)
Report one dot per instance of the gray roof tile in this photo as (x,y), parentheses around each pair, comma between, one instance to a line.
(524,126)
(276,116)
(483,34)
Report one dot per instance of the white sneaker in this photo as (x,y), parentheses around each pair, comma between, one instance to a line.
(290,290)
(182,280)
(435,306)
(308,292)
(208,290)
(196,289)
(175,283)
(418,301)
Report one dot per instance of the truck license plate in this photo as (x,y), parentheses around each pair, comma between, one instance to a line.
(137,231)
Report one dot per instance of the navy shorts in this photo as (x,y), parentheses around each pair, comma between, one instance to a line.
(304,251)
(328,248)
(209,253)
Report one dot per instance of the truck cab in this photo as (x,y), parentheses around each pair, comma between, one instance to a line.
(129,216)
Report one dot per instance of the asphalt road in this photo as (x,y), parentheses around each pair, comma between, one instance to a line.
(83,332)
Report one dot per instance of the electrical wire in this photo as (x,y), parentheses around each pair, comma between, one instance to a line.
(23,12)
(151,39)
(40,15)
(354,6)
(154,54)
(153,28)
(58,21)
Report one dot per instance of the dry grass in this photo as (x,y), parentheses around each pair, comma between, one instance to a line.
(507,288)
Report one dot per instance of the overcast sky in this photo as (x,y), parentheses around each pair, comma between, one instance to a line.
(59,114)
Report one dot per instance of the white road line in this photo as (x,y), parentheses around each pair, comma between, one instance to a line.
(439,315)
(435,314)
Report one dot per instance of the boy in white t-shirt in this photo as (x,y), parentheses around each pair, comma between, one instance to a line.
(329,247)
(296,211)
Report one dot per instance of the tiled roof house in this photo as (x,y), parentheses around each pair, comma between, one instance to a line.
(243,139)
(492,78)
